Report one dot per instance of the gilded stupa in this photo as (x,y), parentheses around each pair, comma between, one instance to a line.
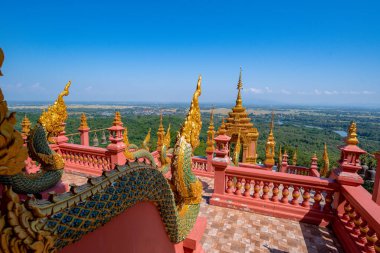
(239,121)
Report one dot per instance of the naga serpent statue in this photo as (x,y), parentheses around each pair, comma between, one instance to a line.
(52,164)
(49,225)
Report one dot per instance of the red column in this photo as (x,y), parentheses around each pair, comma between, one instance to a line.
(84,137)
(284,164)
(210,155)
(376,186)
(220,163)
(117,147)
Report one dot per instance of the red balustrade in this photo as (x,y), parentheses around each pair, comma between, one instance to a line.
(358,220)
(85,159)
(297,197)
(200,168)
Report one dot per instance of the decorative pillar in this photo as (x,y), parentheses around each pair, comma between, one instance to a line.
(160,135)
(25,124)
(349,162)
(210,142)
(326,163)
(376,185)
(269,147)
(83,130)
(294,159)
(314,166)
(220,162)
(284,163)
(117,147)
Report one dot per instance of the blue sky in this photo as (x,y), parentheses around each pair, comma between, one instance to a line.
(291,52)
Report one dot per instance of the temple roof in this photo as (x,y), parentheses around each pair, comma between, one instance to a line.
(239,119)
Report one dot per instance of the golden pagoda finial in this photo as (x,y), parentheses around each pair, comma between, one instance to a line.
(270,145)
(160,134)
(191,128)
(222,128)
(239,101)
(236,154)
(25,124)
(351,138)
(117,119)
(83,121)
(54,118)
(210,133)
(326,163)
(146,141)
(1,60)
(167,138)
(294,159)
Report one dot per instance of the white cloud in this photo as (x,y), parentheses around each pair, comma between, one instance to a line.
(268,90)
(317,92)
(89,88)
(286,92)
(256,91)
(327,92)
(37,87)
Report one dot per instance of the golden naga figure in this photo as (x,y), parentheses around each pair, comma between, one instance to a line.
(54,118)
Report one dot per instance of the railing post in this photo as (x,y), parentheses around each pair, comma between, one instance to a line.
(117,147)
(83,130)
(220,162)
(376,186)
(210,155)
(284,164)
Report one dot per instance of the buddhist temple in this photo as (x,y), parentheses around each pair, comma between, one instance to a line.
(239,121)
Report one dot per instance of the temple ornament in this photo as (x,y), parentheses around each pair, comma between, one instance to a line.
(25,126)
(270,146)
(160,135)
(146,143)
(54,118)
(236,155)
(351,138)
(83,122)
(211,134)
(326,163)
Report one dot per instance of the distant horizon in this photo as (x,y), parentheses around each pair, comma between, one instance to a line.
(298,53)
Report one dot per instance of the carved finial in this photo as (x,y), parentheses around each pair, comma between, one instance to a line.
(25,125)
(294,160)
(83,121)
(1,60)
(222,129)
(191,128)
(326,163)
(352,135)
(117,119)
(146,141)
(12,152)
(54,118)
(270,145)
(160,134)
(236,154)
(210,133)
(239,101)
(167,138)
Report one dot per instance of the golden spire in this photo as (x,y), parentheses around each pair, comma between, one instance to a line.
(294,160)
(191,128)
(351,138)
(117,119)
(147,140)
(83,121)
(167,138)
(125,137)
(236,154)
(222,128)
(211,133)
(326,163)
(239,101)
(160,135)
(25,124)
(270,145)
(52,119)
(1,60)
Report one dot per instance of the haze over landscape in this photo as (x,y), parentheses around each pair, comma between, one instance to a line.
(325,53)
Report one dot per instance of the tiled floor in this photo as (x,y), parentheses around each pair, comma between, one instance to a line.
(230,230)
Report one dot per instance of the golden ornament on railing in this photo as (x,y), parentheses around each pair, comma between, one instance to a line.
(191,128)
(236,155)
(222,128)
(117,119)
(167,138)
(83,121)
(210,133)
(25,126)
(54,118)
(352,135)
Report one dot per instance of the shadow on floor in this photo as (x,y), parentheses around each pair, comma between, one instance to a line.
(272,250)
